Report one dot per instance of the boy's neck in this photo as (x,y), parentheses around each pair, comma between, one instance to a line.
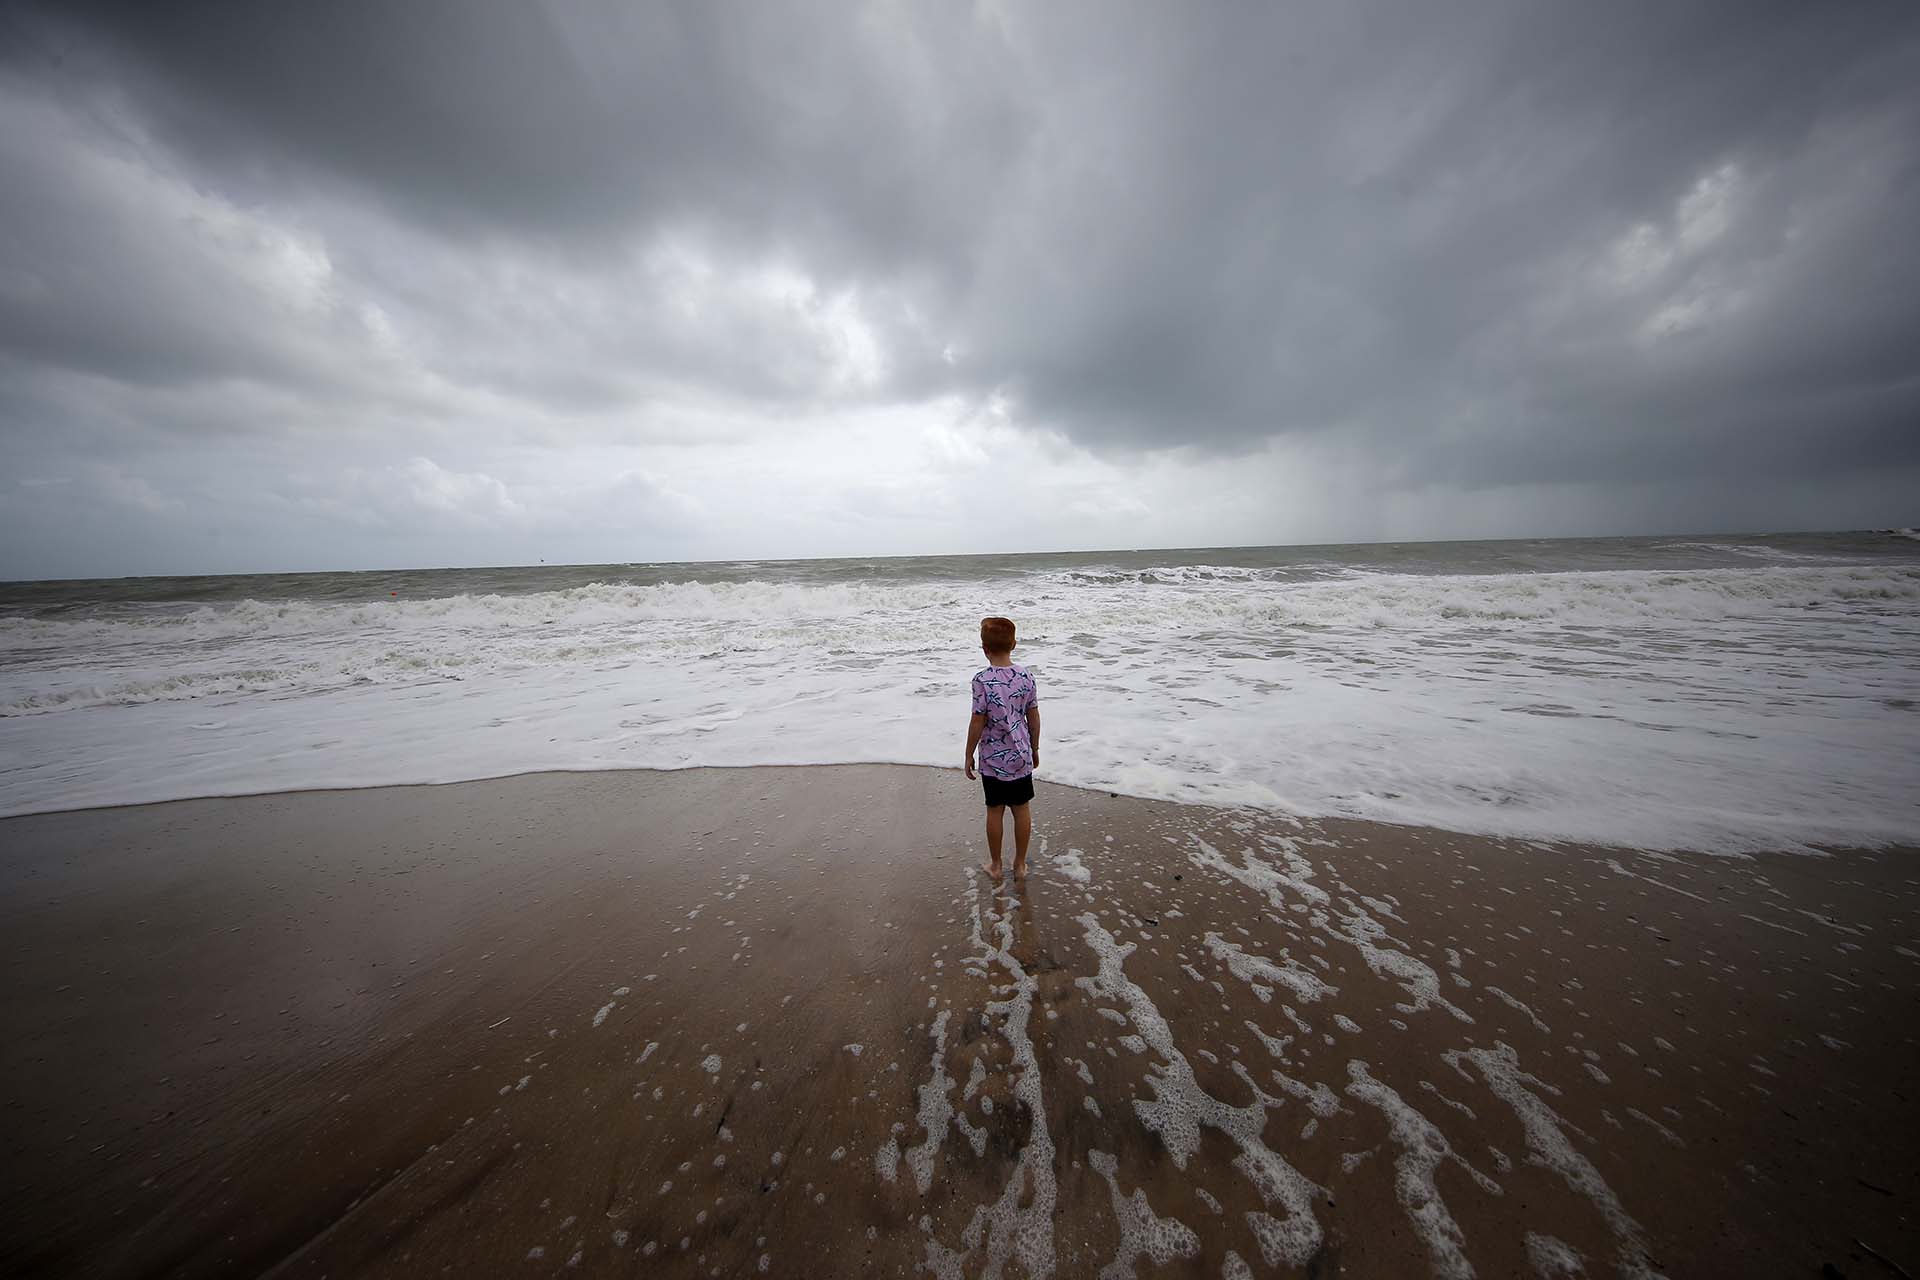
(1000,659)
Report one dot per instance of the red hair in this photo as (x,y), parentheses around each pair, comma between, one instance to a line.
(996,635)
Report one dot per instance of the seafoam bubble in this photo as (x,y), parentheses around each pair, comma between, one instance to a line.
(1181,1108)
(1069,865)
(1661,1129)
(1415,977)
(1513,1002)
(1423,1149)
(1142,1231)
(977,1076)
(1500,1068)
(1317,1097)
(1380,908)
(935,1108)
(1018,1225)
(1263,877)
(1305,985)
(1552,1258)
(711,1064)
(1275,1045)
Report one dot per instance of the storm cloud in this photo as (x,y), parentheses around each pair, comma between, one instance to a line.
(304,286)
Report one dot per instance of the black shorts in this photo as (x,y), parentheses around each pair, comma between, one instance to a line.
(1000,791)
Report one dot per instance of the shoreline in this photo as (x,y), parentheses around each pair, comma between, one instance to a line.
(1274,814)
(372,1031)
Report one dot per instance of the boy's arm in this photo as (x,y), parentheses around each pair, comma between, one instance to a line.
(975,727)
(1033,731)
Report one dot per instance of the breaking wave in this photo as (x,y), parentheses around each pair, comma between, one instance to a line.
(1717,708)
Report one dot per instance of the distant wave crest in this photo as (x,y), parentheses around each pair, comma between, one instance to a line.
(1206,600)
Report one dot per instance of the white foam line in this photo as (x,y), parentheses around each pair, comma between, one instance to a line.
(1319,1099)
(1255,970)
(1798,933)
(1858,931)
(1007,1228)
(975,1078)
(1552,1257)
(1423,1149)
(1180,1108)
(1614,865)
(1664,1132)
(1512,1002)
(1263,877)
(1500,1067)
(1380,908)
(1415,977)
(975,1134)
(1276,1045)
(1358,929)
(1142,1231)
(935,1109)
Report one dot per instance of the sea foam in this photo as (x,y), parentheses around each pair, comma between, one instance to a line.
(1724,709)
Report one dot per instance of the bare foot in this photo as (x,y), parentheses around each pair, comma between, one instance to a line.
(1020,870)
(993,869)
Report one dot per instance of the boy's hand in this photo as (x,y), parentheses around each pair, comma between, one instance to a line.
(967,764)
(1036,759)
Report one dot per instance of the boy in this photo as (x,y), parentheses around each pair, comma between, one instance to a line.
(1006,729)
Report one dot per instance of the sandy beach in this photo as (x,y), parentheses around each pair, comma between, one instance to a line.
(726,1022)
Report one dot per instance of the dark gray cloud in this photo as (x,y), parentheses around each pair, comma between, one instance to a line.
(1478,248)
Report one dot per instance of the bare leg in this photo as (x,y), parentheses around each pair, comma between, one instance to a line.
(994,814)
(1022,832)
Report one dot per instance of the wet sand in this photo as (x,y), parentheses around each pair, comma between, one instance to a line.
(723,1022)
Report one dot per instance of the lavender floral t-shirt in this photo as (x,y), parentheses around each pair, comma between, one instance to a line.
(1002,695)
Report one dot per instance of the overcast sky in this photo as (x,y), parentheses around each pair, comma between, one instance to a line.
(305,286)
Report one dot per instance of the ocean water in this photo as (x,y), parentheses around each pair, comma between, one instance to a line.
(1715,694)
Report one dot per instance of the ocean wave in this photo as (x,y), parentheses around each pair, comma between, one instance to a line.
(1206,600)
(1734,708)
(183,687)
(1751,550)
(579,606)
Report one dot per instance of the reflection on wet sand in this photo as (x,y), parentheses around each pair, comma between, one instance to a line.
(694,1021)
